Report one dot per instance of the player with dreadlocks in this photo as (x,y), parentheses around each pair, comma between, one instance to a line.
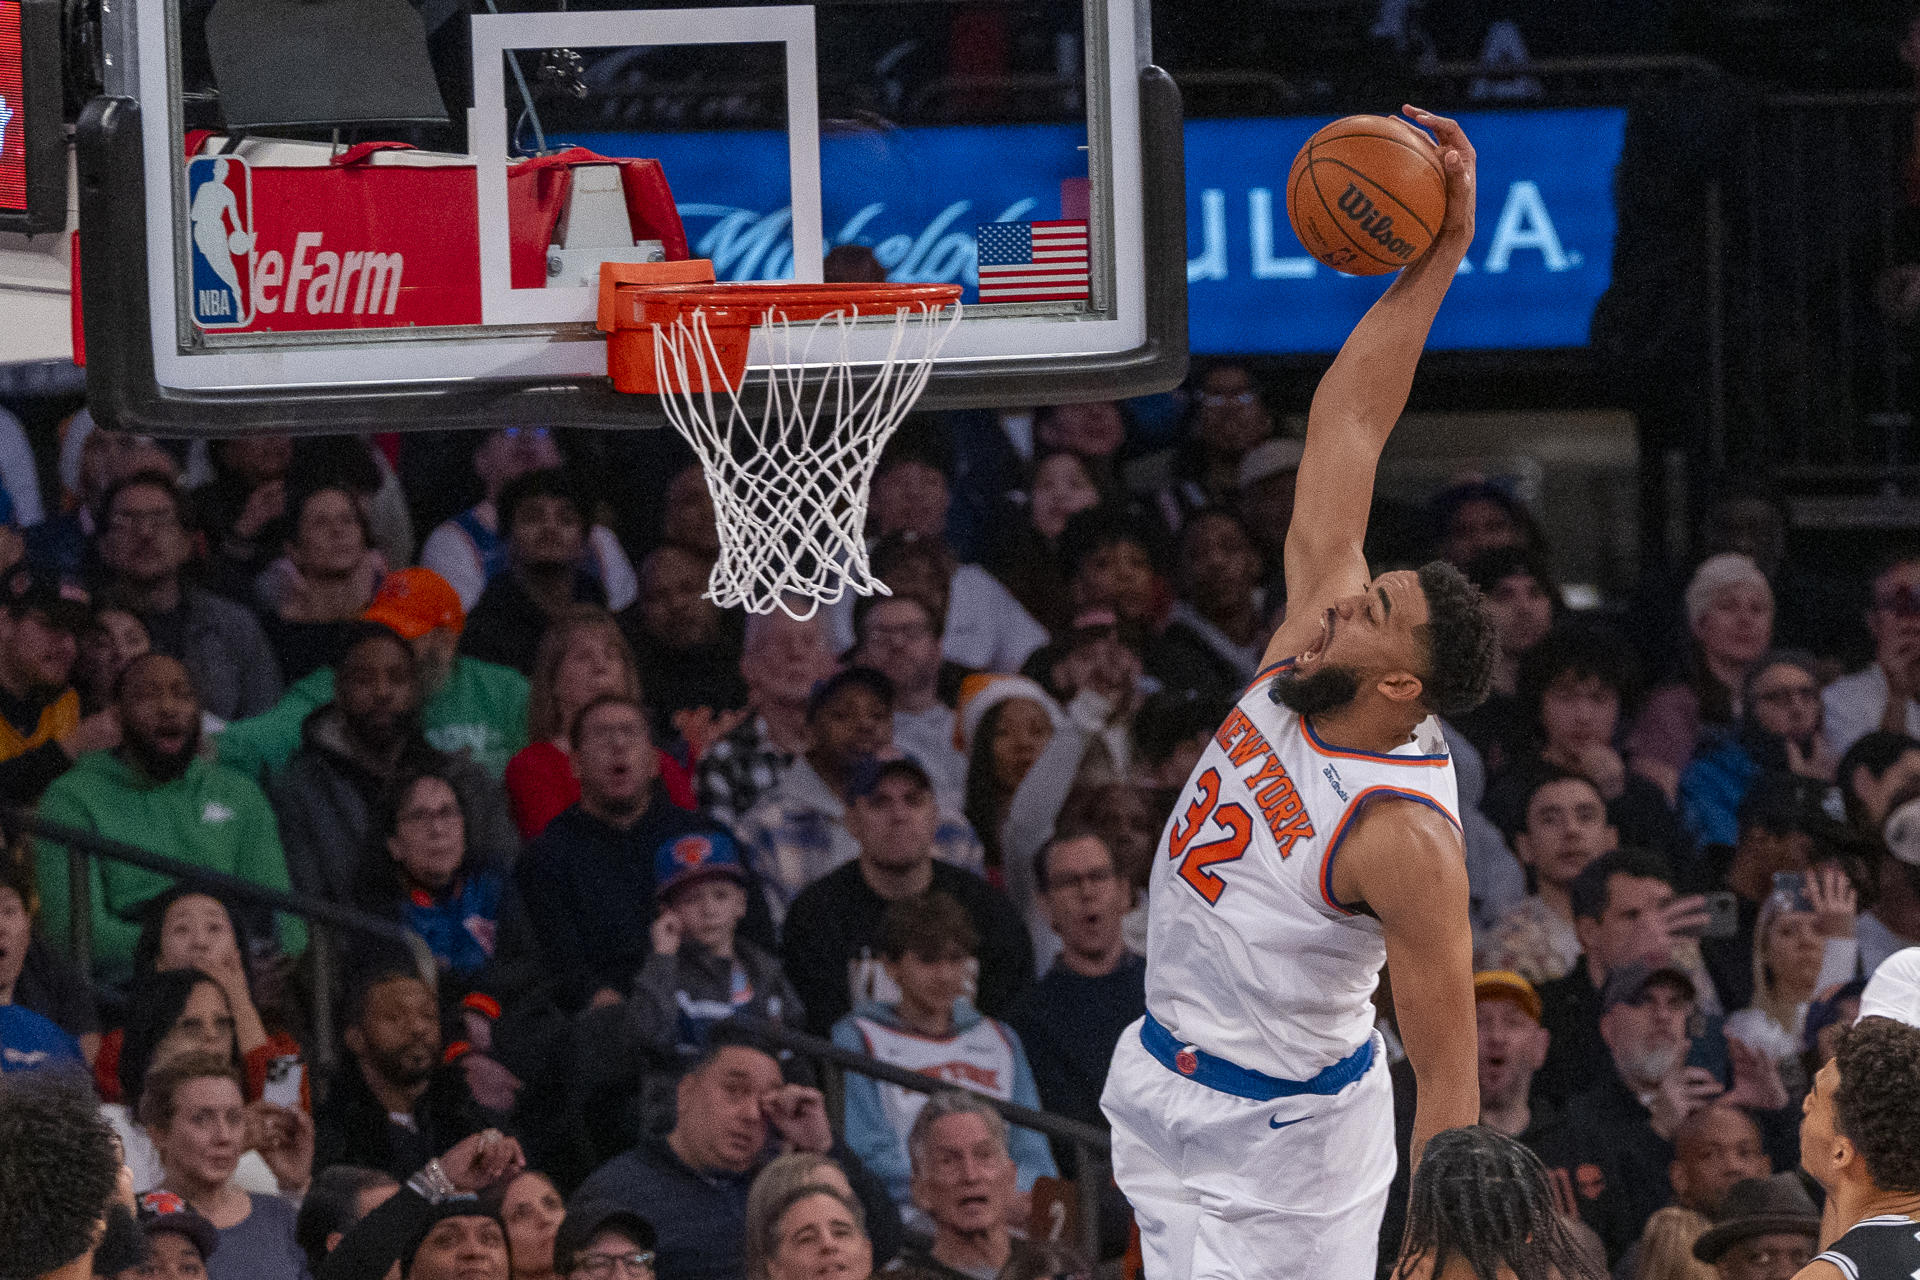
(1481,1210)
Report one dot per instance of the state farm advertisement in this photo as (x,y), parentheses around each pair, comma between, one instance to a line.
(285,249)
(13,120)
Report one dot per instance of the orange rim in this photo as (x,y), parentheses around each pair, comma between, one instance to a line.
(749,304)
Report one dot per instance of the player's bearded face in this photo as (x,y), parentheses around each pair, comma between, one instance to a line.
(1323,690)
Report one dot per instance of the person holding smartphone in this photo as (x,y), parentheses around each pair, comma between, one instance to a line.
(1803,945)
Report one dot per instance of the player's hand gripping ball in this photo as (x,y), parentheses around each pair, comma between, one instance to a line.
(240,242)
(1367,194)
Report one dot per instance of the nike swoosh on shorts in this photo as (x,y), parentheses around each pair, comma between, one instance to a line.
(1278,1123)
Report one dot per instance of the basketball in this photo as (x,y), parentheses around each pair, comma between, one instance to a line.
(1367,194)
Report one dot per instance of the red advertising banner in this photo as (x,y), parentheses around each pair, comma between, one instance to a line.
(13,119)
(358,247)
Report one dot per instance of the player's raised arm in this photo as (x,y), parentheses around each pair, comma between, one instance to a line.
(1407,863)
(1362,396)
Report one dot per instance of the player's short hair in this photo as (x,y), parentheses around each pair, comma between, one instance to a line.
(1460,639)
(928,925)
(1592,890)
(59,1164)
(1877,1104)
(951,1102)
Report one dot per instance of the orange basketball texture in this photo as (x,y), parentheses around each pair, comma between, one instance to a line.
(1367,195)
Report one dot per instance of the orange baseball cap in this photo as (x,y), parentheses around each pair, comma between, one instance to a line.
(414,602)
(1504,984)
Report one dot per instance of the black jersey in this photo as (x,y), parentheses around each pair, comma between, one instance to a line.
(1883,1248)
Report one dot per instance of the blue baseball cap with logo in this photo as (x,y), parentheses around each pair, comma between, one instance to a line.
(695,856)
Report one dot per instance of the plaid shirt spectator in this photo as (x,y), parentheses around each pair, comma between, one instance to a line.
(739,771)
(799,834)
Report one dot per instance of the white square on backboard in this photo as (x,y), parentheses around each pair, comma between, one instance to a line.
(494,34)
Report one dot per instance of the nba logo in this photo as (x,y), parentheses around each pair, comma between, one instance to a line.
(220,241)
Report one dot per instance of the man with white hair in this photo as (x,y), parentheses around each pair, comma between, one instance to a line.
(964,1179)
(783,659)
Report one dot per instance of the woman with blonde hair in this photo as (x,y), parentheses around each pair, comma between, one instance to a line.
(1803,944)
(581,656)
(1666,1247)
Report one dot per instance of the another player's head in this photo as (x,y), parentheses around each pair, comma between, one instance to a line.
(1863,1111)
(59,1165)
(1420,643)
(1481,1197)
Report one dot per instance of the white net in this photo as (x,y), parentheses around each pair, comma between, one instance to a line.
(789,454)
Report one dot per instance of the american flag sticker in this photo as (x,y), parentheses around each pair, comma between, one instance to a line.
(1032,261)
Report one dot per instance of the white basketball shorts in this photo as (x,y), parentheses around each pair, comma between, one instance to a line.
(1225,1188)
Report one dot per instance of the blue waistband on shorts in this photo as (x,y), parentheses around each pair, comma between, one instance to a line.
(1224,1077)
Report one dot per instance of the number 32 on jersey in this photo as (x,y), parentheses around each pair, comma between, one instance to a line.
(1235,825)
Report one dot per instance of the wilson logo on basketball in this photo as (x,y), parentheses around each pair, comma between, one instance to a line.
(1372,223)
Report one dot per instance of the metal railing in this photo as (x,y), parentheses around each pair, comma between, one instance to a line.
(1092,1147)
(321,917)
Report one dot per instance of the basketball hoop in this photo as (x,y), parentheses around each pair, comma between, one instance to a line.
(789,448)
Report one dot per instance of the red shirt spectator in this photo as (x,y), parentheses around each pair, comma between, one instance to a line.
(583,655)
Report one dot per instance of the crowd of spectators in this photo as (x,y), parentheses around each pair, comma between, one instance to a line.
(633,831)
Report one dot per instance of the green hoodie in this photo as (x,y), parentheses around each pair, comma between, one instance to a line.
(481,709)
(210,816)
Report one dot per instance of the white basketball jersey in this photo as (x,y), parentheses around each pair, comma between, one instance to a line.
(1249,956)
(979,1058)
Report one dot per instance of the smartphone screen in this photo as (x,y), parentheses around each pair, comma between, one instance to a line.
(1723,916)
(1709,1050)
(284,1076)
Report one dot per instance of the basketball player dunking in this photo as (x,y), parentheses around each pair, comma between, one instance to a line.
(1317,840)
